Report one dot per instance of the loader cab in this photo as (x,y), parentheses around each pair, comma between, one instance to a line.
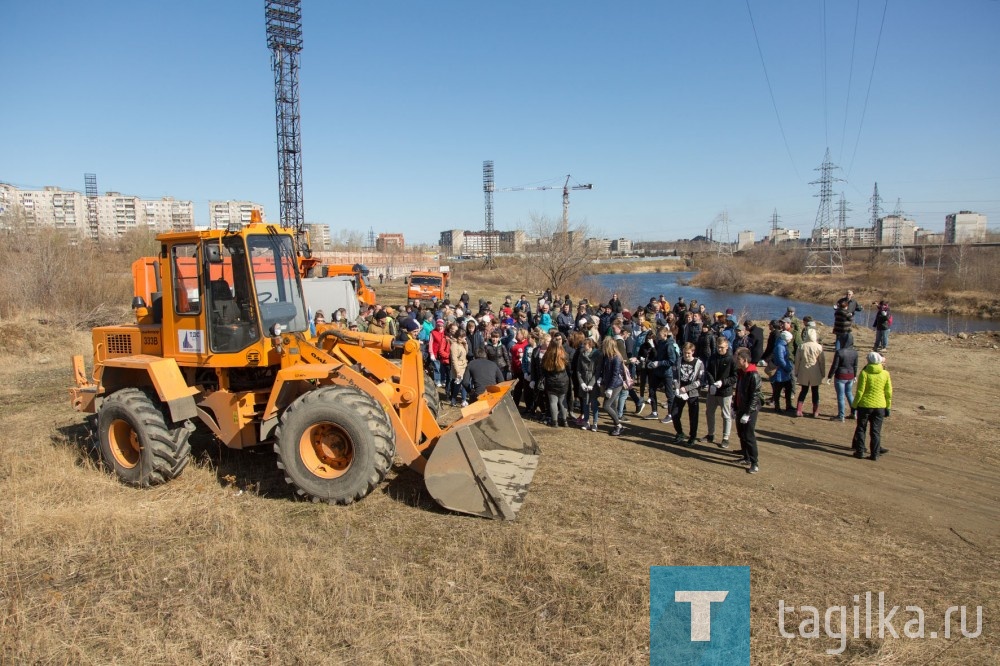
(234,290)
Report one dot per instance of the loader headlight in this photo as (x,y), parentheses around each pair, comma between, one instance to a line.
(276,330)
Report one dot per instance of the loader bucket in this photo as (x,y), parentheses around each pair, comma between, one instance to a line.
(483,463)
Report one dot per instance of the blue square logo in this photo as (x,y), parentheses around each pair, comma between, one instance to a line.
(699,615)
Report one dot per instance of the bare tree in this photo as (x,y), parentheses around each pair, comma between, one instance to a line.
(562,258)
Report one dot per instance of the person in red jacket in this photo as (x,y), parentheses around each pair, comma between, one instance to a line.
(440,353)
(521,341)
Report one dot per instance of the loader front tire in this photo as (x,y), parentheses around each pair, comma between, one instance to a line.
(431,397)
(335,444)
(136,443)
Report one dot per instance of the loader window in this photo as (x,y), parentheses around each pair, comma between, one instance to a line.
(232,318)
(184,259)
(276,279)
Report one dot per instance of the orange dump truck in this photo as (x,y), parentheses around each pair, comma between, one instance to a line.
(428,284)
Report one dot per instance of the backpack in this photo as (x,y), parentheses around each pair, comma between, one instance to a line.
(627,381)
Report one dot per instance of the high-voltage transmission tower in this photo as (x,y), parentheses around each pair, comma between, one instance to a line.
(371,238)
(774,227)
(898,255)
(876,210)
(719,234)
(284,38)
(489,186)
(842,211)
(90,185)
(824,245)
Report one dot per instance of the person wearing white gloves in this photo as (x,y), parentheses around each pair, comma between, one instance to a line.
(612,381)
(720,376)
(746,405)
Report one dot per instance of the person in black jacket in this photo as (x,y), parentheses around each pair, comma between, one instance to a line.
(757,333)
(746,403)
(843,321)
(720,376)
(882,324)
(497,352)
(843,370)
(705,345)
(556,373)
(482,372)
(587,367)
(661,371)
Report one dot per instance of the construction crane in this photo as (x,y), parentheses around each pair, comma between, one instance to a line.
(566,188)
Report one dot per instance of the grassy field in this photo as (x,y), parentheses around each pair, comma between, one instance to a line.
(224,566)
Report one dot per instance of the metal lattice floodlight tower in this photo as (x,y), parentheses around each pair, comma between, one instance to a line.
(90,183)
(824,252)
(284,38)
(488,188)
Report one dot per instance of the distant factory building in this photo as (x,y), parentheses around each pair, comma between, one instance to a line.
(744,240)
(465,243)
(598,245)
(222,213)
(390,243)
(621,246)
(784,235)
(964,227)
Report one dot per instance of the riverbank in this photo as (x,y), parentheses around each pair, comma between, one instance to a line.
(908,289)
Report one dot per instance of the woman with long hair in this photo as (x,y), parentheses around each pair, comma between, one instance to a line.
(612,381)
(459,362)
(555,371)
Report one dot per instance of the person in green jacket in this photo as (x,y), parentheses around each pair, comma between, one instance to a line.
(872,402)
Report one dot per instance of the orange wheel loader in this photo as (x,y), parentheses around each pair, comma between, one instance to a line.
(221,336)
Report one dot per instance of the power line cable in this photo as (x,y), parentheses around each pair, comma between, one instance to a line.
(850,79)
(770,90)
(871,77)
(826,112)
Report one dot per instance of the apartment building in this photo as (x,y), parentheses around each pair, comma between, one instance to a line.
(222,213)
(964,227)
(117,214)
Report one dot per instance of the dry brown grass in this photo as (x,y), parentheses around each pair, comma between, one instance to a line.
(222,566)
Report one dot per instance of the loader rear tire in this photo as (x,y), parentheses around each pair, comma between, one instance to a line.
(335,444)
(135,442)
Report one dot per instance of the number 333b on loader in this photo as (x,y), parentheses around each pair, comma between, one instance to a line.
(222,336)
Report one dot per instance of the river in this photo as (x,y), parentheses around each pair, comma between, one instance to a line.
(763,308)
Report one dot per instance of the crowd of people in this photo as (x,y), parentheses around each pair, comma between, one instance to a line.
(573,362)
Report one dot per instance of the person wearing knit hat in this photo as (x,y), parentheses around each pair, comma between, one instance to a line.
(872,404)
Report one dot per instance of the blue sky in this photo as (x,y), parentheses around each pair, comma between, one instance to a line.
(663,106)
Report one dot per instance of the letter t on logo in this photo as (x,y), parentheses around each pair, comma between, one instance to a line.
(701,610)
